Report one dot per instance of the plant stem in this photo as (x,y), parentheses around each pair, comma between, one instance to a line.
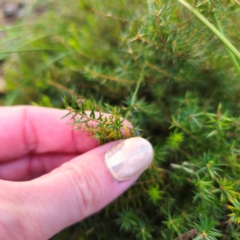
(224,40)
(230,54)
(149,8)
(134,96)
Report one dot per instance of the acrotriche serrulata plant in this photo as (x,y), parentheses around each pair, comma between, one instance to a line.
(103,127)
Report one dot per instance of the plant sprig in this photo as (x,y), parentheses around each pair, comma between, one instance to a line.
(104,127)
(211,27)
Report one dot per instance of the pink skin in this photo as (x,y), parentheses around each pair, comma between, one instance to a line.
(51,176)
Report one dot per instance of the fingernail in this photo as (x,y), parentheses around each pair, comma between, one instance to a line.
(129,158)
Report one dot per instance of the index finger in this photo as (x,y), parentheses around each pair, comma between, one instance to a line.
(28,129)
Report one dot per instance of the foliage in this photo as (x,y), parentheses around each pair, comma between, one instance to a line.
(160,65)
(105,128)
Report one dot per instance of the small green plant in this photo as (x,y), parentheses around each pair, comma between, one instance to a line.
(104,127)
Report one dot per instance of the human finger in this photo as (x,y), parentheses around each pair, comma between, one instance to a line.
(28,129)
(78,188)
(33,165)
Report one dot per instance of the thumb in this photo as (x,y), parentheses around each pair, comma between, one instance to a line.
(84,185)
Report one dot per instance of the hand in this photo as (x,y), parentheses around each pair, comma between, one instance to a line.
(52,176)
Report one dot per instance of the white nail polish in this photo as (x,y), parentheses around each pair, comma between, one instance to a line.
(129,158)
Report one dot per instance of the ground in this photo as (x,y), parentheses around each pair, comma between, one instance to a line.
(10,12)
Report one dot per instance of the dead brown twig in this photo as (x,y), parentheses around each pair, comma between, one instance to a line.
(188,235)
